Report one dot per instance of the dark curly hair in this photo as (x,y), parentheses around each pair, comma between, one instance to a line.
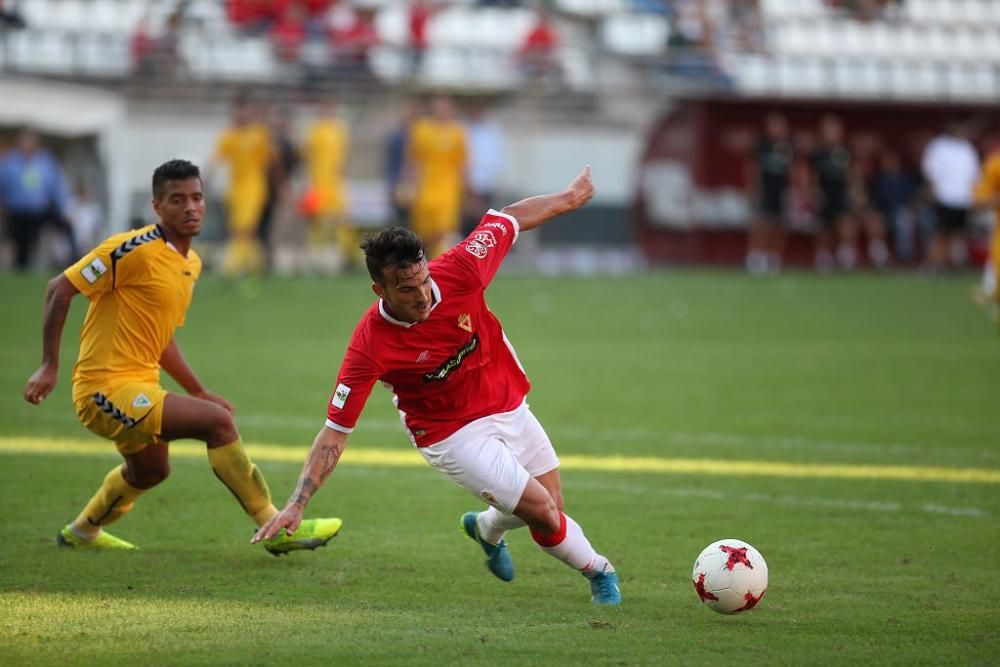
(393,246)
(174,170)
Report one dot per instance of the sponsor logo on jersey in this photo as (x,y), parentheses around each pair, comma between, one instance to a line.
(141,401)
(442,372)
(490,499)
(94,270)
(497,225)
(477,248)
(486,238)
(340,396)
(465,322)
(422,357)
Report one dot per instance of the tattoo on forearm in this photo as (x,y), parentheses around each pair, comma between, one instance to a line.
(321,463)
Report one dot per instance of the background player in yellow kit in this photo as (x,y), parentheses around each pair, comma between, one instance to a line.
(247,151)
(325,154)
(139,285)
(437,156)
(988,196)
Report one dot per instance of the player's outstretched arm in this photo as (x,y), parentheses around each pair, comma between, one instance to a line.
(58,296)
(536,211)
(319,464)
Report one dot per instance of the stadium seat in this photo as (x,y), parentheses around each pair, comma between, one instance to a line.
(592,7)
(104,55)
(392,25)
(41,51)
(635,34)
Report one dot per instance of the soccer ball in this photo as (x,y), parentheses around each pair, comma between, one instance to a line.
(730,576)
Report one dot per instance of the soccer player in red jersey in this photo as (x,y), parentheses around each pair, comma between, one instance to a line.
(460,389)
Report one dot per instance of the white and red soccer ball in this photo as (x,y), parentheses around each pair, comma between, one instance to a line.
(730,576)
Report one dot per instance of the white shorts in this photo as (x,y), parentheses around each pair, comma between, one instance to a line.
(493,457)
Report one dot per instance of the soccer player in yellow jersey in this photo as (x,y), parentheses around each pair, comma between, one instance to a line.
(325,154)
(139,285)
(246,148)
(987,195)
(437,156)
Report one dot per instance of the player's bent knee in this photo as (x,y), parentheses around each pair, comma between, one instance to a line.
(147,477)
(222,430)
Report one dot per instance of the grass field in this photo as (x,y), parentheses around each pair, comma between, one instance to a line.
(848,428)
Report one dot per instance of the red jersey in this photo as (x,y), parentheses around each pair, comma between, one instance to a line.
(453,368)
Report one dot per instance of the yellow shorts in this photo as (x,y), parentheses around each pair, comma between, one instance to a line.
(130,415)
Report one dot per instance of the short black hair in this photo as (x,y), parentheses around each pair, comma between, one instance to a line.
(174,170)
(393,246)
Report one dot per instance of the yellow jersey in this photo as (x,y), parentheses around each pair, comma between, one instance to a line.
(438,153)
(248,152)
(139,287)
(325,155)
(989,181)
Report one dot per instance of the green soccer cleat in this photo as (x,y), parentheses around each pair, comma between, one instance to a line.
(104,540)
(311,534)
(498,560)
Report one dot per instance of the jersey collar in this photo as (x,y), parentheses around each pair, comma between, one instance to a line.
(435,290)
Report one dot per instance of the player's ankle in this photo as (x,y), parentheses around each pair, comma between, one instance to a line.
(87,533)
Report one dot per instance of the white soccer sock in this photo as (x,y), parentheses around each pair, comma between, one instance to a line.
(572,547)
(493,524)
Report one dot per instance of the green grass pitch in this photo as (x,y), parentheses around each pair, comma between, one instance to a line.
(862,370)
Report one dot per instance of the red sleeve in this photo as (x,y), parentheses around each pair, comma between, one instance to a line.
(484,250)
(358,374)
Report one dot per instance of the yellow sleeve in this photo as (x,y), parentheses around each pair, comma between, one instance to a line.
(92,273)
(989,181)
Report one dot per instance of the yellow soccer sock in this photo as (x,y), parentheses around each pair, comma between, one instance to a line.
(112,501)
(234,469)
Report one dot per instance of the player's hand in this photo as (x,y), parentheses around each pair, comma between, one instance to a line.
(581,189)
(287,519)
(40,384)
(212,397)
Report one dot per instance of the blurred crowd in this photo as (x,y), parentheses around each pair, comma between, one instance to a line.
(865,201)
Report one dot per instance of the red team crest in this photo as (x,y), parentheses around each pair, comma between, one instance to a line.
(465,322)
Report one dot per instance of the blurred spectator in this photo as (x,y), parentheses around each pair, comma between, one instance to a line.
(951,166)
(33,196)
(246,148)
(498,3)
(831,163)
(987,196)
(252,16)
(769,181)
(864,218)
(86,217)
(894,192)
(419,16)
(281,170)
(158,56)
(326,202)
(352,34)
(650,6)
(485,143)
(691,43)
(537,53)
(398,185)
(288,33)
(10,16)
(437,154)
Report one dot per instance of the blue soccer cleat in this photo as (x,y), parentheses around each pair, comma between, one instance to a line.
(498,560)
(604,587)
